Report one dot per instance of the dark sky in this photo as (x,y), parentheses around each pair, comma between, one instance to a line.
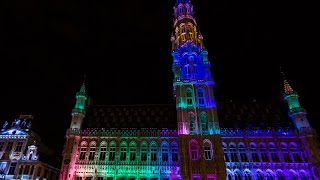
(123,47)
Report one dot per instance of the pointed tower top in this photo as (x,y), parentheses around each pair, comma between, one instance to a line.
(287,87)
(83,87)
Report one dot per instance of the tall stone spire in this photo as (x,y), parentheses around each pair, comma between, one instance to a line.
(195,102)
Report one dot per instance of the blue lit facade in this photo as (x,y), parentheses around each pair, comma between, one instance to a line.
(121,143)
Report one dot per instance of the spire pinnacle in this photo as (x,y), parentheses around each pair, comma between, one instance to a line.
(287,87)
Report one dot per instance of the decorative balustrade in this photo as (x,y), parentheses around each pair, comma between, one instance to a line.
(126,132)
(254,132)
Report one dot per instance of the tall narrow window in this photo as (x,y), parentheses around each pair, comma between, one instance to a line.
(285,153)
(273,153)
(259,175)
(133,149)
(19,146)
(103,152)
(9,146)
(189,96)
(174,152)
(1,146)
(247,175)
(12,168)
(144,150)
(242,152)
(225,150)
(200,94)
(207,150)
(295,153)
(153,151)
(194,150)
(233,152)
(237,175)
(204,122)
(31,170)
(254,153)
(26,170)
(112,151)
(83,151)
(164,151)
(192,123)
(123,152)
(264,153)
(92,153)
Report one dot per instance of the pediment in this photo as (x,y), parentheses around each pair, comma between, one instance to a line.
(13,131)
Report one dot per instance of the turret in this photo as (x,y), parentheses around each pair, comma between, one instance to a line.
(78,111)
(296,112)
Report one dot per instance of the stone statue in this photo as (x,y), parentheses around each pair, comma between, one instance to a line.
(29,125)
(5,124)
(17,123)
(23,124)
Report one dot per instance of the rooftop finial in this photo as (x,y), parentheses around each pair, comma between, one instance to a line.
(287,87)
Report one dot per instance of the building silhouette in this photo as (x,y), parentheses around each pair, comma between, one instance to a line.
(195,139)
(23,155)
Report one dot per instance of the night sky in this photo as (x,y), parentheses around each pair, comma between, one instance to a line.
(124,46)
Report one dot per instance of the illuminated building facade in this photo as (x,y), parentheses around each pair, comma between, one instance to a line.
(22,155)
(187,141)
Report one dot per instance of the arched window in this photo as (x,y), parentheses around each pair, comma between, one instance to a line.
(229,174)
(269,176)
(247,175)
(225,150)
(242,152)
(133,151)
(83,151)
(263,152)
(143,151)
(112,151)
(295,153)
(192,123)
(303,176)
(103,151)
(237,175)
(189,97)
(254,153)
(200,94)
(123,151)
(174,150)
(153,151)
(280,175)
(188,9)
(273,153)
(233,152)
(293,176)
(285,153)
(259,175)
(164,151)
(92,151)
(194,150)
(207,145)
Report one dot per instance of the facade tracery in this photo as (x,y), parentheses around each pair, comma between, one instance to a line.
(189,142)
